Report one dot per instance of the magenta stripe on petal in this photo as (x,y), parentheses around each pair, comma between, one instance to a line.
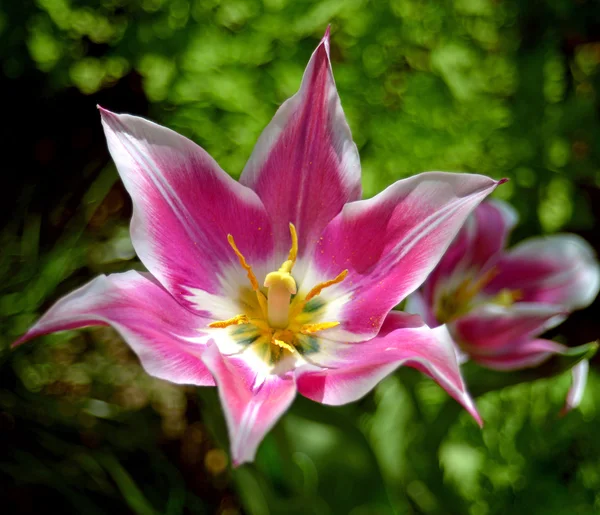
(305,166)
(252,401)
(403,340)
(184,206)
(147,317)
(390,243)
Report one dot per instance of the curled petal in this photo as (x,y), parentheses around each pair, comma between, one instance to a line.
(403,340)
(560,270)
(252,401)
(184,207)
(390,243)
(305,166)
(153,324)
(492,330)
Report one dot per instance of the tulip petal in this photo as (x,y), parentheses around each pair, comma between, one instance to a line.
(579,374)
(492,330)
(145,315)
(252,401)
(403,341)
(477,245)
(560,270)
(390,243)
(524,354)
(305,166)
(184,207)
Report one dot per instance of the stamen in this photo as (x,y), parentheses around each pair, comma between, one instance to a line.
(262,300)
(314,328)
(282,344)
(294,250)
(453,304)
(317,291)
(236,320)
(506,297)
(279,338)
(243,262)
(478,285)
(326,284)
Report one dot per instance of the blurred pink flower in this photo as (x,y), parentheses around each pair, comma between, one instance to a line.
(282,282)
(496,302)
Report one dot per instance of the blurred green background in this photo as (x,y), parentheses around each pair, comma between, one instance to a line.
(501,87)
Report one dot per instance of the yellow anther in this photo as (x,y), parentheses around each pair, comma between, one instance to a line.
(244,263)
(469,289)
(279,338)
(315,328)
(458,302)
(506,297)
(326,284)
(262,300)
(317,291)
(236,320)
(294,250)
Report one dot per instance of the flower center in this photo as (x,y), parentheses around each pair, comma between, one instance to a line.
(284,321)
(456,302)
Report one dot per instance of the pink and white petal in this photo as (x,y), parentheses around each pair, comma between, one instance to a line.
(579,375)
(523,354)
(184,207)
(390,243)
(491,330)
(478,244)
(404,340)
(305,166)
(252,401)
(492,222)
(153,324)
(561,270)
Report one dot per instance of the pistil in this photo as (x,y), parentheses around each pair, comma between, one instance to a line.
(281,286)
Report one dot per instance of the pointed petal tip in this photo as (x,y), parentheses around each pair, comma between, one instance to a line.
(579,375)
(325,41)
(468,404)
(503,180)
(19,341)
(105,114)
(475,414)
(237,463)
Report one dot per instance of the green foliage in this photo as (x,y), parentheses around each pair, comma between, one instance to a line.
(507,89)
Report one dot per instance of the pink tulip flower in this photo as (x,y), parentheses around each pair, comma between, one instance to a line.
(282,282)
(496,302)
